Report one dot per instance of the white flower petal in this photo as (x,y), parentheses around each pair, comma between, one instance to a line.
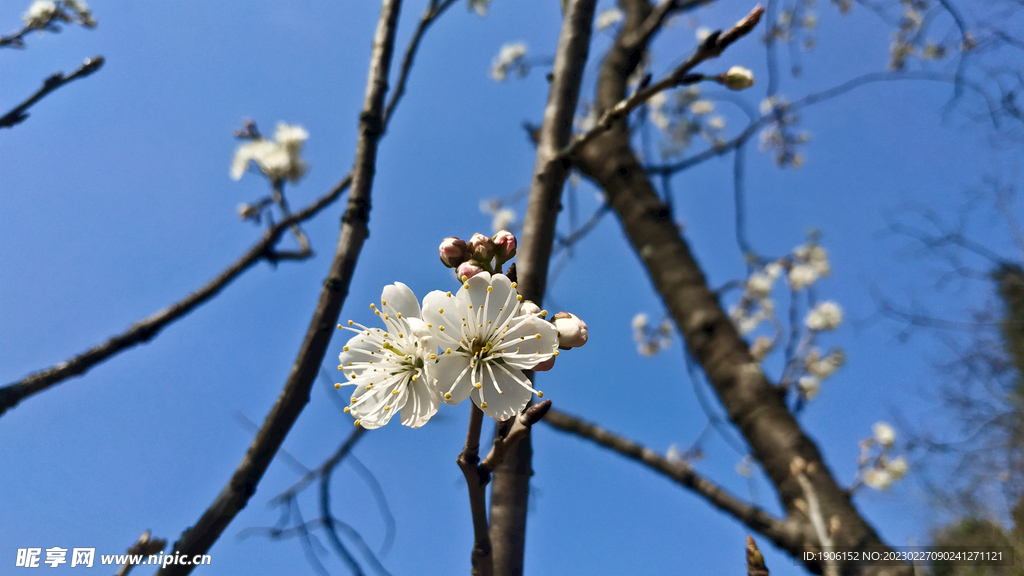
(454,378)
(421,405)
(440,312)
(530,341)
(397,299)
(512,398)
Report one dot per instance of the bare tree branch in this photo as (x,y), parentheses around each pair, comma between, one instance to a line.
(510,490)
(468,461)
(19,114)
(354,231)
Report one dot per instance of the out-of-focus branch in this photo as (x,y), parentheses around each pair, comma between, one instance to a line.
(656,19)
(510,490)
(712,47)
(146,329)
(784,534)
(434,10)
(354,231)
(18,114)
(146,546)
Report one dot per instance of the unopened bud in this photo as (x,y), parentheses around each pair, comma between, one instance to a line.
(453,251)
(481,248)
(737,78)
(572,332)
(504,246)
(468,269)
(528,307)
(545,365)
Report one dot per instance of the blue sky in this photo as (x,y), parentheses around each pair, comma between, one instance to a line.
(117,202)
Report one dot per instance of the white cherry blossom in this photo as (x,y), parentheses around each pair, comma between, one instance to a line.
(487,341)
(391,370)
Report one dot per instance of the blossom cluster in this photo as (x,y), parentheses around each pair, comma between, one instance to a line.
(473,344)
(278,159)
(877,468)
(778,137)
(651,339)
(805,266)
(510,59)
(683,115)
(41,14)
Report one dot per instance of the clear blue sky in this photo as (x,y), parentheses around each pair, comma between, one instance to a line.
(117,202)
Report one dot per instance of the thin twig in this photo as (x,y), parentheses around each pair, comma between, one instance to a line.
(18,114)
(295,394)
(520,429)
(712,47)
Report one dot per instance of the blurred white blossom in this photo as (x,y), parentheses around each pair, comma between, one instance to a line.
(885,435)
(479,6)
(509,58)
(825,316)
(39,13)
(278,160)
(609,18)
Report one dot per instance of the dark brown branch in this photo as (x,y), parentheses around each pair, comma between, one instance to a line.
(656,19)
(784,534)
(19,114)
(510,490)
(354,231)
(468,461)
(520,429)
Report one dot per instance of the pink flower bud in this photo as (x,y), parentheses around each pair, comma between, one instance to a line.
(453,251)
(505,245)
(481,248)
(572,332)
(468,269)
(545,365)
